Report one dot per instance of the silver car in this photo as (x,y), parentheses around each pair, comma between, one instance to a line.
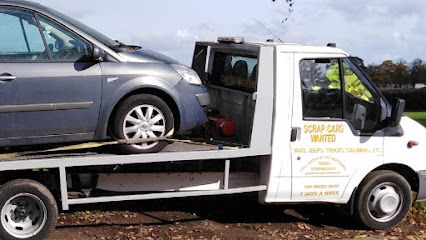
(61,81)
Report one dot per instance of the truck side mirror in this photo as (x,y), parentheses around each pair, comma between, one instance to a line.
(98,54)
(397,111)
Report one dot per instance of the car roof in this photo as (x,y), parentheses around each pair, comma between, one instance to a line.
(25,4)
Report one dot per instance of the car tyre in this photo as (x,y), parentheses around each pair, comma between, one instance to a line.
(383,201)
(143,116)
(28,210)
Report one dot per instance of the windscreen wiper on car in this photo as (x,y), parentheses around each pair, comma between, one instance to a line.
(119,44)
(130,48)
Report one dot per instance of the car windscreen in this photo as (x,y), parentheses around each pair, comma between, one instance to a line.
(86,29)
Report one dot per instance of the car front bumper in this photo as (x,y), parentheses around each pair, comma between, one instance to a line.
(421,194)
(192,101)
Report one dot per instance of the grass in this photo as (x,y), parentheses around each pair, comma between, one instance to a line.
(418,116)
(421,205)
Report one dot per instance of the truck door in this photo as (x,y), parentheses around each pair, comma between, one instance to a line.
(335,113)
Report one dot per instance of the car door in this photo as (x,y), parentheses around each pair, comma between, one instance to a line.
(49,86)
(333,122)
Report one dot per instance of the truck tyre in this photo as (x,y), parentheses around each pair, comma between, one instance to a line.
(142,116)
(28,210)
(383,201)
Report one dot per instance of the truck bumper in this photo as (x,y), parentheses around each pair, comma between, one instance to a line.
(421,194)
(192,101)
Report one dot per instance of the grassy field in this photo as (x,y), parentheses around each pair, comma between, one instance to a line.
(418,116)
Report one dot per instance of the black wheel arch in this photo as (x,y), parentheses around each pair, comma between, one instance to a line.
(152,91)
(405,171)
(47,177)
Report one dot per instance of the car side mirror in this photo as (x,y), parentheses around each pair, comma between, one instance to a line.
(397,111)
(98,54)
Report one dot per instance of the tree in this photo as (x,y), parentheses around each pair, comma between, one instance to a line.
(288,3)
(311,74)
(384,73)
(401,74)
(417,72)
(393,74)
(360,62)
(373,71)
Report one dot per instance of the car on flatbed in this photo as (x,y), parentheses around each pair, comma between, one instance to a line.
(61,81)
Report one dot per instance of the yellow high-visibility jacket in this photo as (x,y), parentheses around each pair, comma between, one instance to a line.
(353,84)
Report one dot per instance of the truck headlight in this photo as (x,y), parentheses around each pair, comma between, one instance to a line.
(188,74)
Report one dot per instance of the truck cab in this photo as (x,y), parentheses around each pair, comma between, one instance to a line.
(334,136)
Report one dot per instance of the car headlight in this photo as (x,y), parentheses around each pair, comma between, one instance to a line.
(188,74)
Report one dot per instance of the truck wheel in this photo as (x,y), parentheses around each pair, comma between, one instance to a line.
(383,201)
(143,116)
(28,210)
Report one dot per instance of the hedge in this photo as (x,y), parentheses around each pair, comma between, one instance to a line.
(415,98)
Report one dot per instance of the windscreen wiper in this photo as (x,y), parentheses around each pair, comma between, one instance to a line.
(126,46)
(119,44)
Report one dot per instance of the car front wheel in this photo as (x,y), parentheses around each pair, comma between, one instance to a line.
(144,117)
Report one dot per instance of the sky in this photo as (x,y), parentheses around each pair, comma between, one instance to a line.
(375,30)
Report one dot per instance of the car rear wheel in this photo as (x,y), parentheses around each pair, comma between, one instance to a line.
(144,117)
(383,201)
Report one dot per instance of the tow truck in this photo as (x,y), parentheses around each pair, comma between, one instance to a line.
(287,133)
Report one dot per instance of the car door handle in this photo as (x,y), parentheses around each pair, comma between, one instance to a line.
(7,77)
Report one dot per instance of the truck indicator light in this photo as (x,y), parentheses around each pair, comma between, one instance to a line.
(412,144)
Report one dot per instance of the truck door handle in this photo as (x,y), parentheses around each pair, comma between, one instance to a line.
(255,96)
(294,134)
(6,77)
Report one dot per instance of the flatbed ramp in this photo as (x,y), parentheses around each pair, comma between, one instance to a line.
(92,152)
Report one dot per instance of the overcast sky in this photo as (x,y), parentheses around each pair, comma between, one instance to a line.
(375,30)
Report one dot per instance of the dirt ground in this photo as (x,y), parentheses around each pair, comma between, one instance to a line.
(215,218)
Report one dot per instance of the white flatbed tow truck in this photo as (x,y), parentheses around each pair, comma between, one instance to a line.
(310,128)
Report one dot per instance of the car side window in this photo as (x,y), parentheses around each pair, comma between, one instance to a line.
(321,88)
(63,44)
(20,38)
